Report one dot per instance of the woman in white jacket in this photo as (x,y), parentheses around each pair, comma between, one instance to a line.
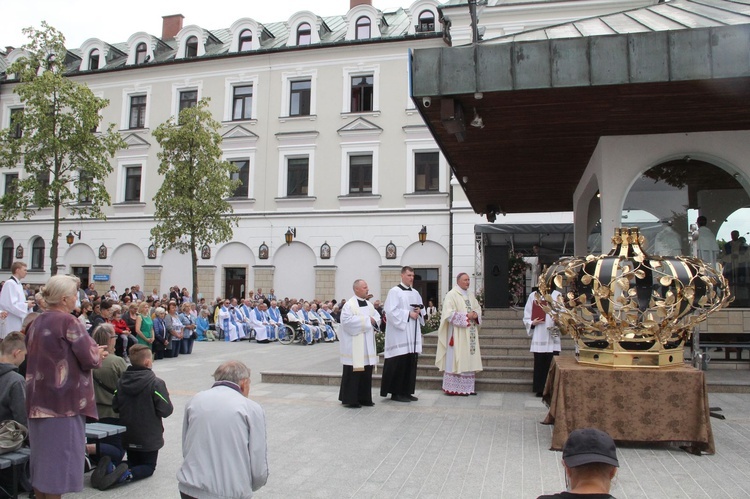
(544,344)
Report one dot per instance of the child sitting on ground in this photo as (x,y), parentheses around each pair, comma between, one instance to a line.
(142,401)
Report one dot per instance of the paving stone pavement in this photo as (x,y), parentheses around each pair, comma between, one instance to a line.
(488,446)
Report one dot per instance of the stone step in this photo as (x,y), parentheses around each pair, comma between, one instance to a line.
(488,350)
(502,313)
(488,340)
(487,372)
(423,382)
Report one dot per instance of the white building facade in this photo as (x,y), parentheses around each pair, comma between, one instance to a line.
(317,114)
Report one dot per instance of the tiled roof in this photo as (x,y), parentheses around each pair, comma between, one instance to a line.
(674,15)
(394,25)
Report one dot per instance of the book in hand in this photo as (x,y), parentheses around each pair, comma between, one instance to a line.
(537,312)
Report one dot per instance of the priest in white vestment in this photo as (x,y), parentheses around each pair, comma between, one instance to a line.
(705,246)
(14,305)
(260,322)
(359,319)
(458,353)
(229,323)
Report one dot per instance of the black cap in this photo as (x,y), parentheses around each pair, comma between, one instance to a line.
(589,445)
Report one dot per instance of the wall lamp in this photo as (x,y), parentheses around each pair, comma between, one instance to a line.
(291,233)
(71,236)
(423,234)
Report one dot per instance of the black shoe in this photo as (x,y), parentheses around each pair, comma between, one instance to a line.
(473,393)
(538,394)
(412,398)
(368,404)
(112,478)
(399,398)
(353,406)
(100,471)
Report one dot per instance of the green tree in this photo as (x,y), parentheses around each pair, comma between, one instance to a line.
(65,159)
(191,208)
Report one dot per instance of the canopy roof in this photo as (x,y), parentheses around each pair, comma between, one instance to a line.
(544,101)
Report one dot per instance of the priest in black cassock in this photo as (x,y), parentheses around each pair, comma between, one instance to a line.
(359,319)
(405,314)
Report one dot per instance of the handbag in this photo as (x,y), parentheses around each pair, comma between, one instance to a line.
(12,435)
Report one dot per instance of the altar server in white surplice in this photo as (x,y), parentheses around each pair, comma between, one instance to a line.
(359,319)
(705,246)
(458,352)
(14,306)
(404,313)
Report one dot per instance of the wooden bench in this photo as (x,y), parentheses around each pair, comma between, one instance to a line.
(703,342)
(98,431)
(15,460)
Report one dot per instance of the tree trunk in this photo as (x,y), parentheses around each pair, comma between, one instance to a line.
(55,233)
(194,260)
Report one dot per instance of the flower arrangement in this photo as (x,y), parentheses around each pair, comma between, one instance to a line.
(431,324)
(517,267)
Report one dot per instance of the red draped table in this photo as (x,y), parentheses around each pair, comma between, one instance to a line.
(633,405)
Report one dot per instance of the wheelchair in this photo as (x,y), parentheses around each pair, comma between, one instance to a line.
(287,334)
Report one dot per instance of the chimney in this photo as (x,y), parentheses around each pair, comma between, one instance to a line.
(354,3)
(171,25)
(9,49)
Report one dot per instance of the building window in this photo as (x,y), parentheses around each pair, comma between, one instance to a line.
(43,179)
(140,53)
(37,254)
(94,59)
(362,93)
(304,34)
(7,258)
(16,124)
(243,175)
(10,183)
(363,28)
(360,174)
(85,184)
(188,99)
(133,184)
(297,176)
(299,98)
(426,172)
(426,22)
(137,111)
(191,47)
(246,40)
(242,102)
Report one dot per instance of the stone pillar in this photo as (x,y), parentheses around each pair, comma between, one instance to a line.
(325,282)
(390,275)
(206,279)
(101,287)
(264,277)
(151,280)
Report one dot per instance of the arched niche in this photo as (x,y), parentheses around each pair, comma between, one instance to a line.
(294,274)
(357,260)
(127,267)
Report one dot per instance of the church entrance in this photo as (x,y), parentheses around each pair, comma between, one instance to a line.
(235,282)
(426,282)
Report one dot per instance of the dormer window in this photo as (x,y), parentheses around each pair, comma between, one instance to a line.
(191,47)
(140,53)
(94,59)
(51,62)
(246,40)
(426,22)
(304,34)
(364,28)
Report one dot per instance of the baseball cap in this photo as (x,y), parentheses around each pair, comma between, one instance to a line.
(589,445)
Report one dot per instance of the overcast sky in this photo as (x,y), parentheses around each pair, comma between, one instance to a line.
(114,22)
